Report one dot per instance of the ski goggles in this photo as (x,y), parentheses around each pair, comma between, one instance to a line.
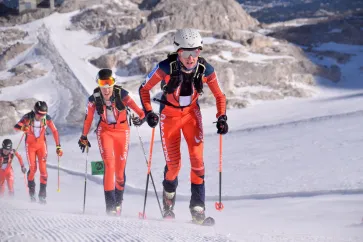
(40,113)
(106,82)
(185,53)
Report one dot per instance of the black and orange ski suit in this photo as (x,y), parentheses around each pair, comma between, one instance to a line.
(6,170)
(36,148)
(113,142)
(175,120)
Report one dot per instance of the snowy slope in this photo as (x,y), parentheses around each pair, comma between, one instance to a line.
(292,168)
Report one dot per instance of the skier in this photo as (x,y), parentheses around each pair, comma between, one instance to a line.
(34,124)
(182,76)
(113,132)
(7,154)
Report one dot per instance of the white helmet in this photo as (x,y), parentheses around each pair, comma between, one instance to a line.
(187,38)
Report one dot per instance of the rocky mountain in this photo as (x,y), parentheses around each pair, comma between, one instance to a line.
(255,61)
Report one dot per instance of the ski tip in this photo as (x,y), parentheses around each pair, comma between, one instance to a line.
(209,221)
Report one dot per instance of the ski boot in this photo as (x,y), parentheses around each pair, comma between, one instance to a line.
(32,198)
(31,186)
(198,216)
(119,194)
(42,194)
(168,203)
(42,200)
(118,210)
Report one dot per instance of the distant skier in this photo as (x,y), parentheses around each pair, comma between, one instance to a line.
(34,124)
(182,76)
(7,154)
(110,101)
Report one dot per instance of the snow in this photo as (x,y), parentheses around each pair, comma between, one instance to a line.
(292,169)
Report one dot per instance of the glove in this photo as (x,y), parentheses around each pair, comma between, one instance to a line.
(137,121)
(222,126)
(23,169)
(83,143)
(25,128)
(152,119)
(59,150)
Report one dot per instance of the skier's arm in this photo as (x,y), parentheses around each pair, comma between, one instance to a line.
(213,84)
(19,159)
(153,78)
(91,107)
(128,101)
(23,121)
(54,130)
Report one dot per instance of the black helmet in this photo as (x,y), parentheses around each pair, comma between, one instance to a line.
(41,107)
(7,144)
(104,74)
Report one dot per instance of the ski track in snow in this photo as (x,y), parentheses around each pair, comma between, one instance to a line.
(140,191)
(26,224)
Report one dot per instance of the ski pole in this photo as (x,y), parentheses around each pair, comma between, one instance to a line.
(148,172)
(219,205)
(19,142)
(152,180)
(58,190)
(85,181)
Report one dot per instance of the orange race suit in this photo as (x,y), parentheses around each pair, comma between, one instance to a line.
(179,116)
(6,170)
(36,148)
(113,140)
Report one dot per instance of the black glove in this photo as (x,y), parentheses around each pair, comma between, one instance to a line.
(152,119)
(137,121)
(222,126)
(23,169)
(83,143)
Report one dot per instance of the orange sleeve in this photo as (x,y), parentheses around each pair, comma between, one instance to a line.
(213,85)
(54,130)
(21,122)
(90,111)
(153,78)
(128,101)
(19,159)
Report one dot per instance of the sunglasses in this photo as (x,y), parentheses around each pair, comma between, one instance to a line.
(107,82)
(186,53)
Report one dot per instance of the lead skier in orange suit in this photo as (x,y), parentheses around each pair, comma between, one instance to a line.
(182,76)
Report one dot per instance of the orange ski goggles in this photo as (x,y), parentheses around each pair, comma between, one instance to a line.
(107,82)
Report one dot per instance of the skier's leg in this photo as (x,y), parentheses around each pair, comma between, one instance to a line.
(121,147)
(2,181)
(42,160)
(170,137)
(30,153)
(10,181)
(193,133)
(105,142)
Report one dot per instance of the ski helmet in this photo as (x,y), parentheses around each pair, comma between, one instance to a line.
(188,39)
(105,78)
(7,144)
(41,107)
